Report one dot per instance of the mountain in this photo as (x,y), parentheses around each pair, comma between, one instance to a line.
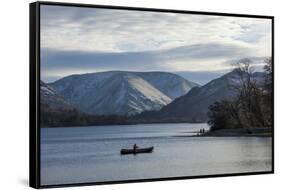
(56,112)
(193,106)
(121,92)
(50,98)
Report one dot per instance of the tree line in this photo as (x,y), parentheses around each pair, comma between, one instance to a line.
(50,117)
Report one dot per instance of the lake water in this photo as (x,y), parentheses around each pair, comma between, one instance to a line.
(92,154)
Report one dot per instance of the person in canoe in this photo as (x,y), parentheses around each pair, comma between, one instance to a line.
(135,147)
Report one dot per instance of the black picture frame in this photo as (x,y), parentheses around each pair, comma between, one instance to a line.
(34,93)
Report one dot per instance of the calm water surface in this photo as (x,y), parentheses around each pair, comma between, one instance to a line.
(92,154)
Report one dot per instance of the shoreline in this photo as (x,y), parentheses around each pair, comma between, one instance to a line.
(254,135)
(253,132)
(240,132)
(120,124)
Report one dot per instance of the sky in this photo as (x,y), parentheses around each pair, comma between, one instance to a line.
(77,40)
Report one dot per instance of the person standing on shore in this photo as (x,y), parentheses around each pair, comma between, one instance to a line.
(135,148)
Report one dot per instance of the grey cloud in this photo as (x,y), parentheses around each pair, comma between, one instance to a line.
(95,60)
(208,51)
(197,51)
(140,61)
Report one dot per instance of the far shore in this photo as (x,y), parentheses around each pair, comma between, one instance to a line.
(240,132)
(119,124)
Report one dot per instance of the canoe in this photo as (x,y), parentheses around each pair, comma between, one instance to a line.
(138,150)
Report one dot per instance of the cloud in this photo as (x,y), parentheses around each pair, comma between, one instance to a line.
(79,40)
(200,57)
(96,29)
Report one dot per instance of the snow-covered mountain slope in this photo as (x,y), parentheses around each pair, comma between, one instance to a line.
(170,84)
(49,98)
(121,92)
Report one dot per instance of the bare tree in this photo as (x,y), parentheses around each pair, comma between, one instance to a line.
(268,93)
(249,95)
